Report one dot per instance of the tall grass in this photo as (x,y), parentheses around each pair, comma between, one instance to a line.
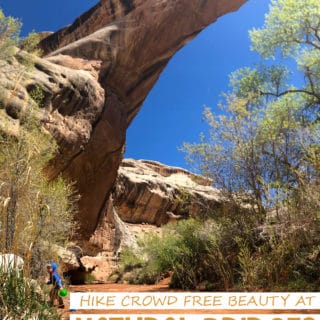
(22,298)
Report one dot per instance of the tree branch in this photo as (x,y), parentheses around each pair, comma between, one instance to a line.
(313,94)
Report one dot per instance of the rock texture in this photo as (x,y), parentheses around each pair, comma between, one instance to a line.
(78,268)
(148,194)
(96,74)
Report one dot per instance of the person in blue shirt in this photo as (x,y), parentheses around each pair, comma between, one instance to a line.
(57,284)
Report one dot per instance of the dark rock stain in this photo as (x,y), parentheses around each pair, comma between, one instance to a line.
(83,18)
(112,7)
(128,5)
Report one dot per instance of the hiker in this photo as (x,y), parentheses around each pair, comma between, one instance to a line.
(57,284)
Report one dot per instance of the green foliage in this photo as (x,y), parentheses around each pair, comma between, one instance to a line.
(232,253)
(263,150)
(10,29)
(250,83)
(289,26)
(36,214)
(130,260)
(138,264)
(30,43)
(266,142)
(182,200)
(292,29)
(194,251)
(21,298)
(90,278)
(9,35)
(37,95)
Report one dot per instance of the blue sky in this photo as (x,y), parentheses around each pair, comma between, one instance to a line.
(195,76)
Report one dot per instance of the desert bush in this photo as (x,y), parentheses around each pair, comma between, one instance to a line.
(129,259)
(36,214)
(21,298)
(137,264)
(288,258)
(231,253)
(194,251)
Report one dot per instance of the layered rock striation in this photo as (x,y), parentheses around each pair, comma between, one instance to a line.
(150,192)
(95,75)
(147,195)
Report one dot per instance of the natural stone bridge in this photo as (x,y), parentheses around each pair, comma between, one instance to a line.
(96,74)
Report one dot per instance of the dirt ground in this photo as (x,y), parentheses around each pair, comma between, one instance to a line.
(161,287)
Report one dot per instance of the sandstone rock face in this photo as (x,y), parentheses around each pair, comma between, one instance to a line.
(129,42)
(73,102)
(96,74)
(148,194)
(78,268)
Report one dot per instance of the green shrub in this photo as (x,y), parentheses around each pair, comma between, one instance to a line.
(22,298)
(143,275)
(230,252)
(194,251)
(129,260)
(289,257)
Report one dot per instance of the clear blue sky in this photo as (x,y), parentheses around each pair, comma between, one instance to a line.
(195,76)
